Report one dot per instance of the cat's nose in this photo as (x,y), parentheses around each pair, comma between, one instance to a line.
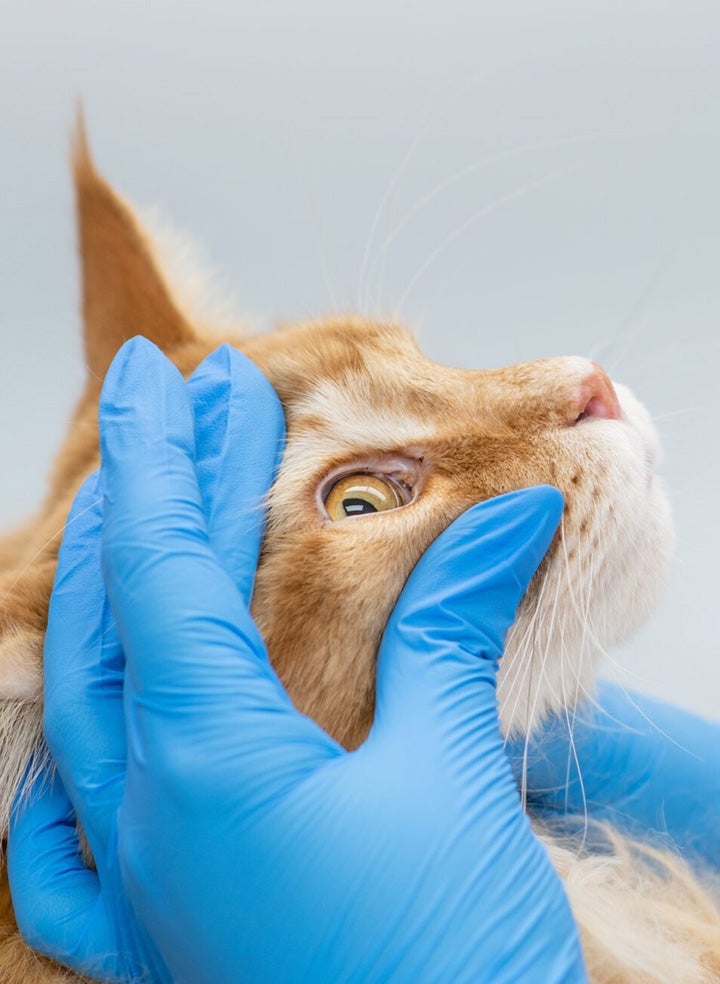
(595,395)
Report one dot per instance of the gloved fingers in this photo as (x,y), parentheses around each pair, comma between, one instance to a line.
(197,672)
(171,598)
(239,438)
(55,897)
(645,766)
(438,657)
(570,759)
(83,674)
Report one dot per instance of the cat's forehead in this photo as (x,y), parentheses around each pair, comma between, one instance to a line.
(377,361)
(331,348)
(366,381)
(352,384)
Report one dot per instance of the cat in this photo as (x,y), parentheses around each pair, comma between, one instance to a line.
(384,450)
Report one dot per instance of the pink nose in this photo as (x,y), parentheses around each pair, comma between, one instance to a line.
(596,396)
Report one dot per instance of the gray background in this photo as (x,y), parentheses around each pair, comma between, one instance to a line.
(560,161)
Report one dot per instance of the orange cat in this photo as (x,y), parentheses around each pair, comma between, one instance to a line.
(384,450)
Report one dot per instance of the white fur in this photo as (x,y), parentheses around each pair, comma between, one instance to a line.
(601,586)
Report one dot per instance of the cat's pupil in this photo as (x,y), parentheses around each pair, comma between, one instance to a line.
(356,507)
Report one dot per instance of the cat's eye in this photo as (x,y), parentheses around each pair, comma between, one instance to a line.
(360,494)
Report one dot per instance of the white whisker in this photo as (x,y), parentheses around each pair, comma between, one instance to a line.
(494,206)
(454,179)
(400,170)
(45,545)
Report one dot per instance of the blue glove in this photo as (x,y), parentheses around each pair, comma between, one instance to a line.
(650,769)
(234,839)
(84,920)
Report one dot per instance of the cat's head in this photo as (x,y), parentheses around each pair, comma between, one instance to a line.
(385,448)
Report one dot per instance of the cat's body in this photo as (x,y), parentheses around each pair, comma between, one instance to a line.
(361,400)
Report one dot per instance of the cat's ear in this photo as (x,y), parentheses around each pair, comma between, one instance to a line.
(124,292)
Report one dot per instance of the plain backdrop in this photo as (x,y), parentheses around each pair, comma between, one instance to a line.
(516,179)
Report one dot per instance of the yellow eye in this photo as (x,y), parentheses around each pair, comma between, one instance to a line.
(356,495)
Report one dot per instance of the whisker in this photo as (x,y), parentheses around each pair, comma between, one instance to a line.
(571,718)
(524,659)
(632,323)
(400,170)
(675,413)
(454,179)
(47,543)
(538,688)
(587,626)
(91,372)
(316,223)
(494,206)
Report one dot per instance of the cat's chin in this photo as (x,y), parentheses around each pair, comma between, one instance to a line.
(553,679)
(642,542)
(646,569)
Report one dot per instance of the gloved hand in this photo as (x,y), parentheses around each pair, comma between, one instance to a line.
(234,839)
(650,769)
(81,918)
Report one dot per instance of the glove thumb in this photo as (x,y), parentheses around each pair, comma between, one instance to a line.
(438,658)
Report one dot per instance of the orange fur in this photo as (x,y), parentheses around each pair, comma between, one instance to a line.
(361,395)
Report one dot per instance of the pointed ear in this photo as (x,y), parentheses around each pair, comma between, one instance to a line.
(124,291)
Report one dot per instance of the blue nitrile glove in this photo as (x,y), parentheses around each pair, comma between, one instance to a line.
(238,841)
(650,769)
(83,919)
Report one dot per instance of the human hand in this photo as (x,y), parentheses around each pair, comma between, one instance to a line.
(286,858)
(650,769)
(84,919)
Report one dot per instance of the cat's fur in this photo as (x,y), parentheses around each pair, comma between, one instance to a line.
(359,395)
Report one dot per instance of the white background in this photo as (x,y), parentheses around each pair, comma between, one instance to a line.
(570,158)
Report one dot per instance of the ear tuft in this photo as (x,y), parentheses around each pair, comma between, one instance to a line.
(123,287)
(79,145)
